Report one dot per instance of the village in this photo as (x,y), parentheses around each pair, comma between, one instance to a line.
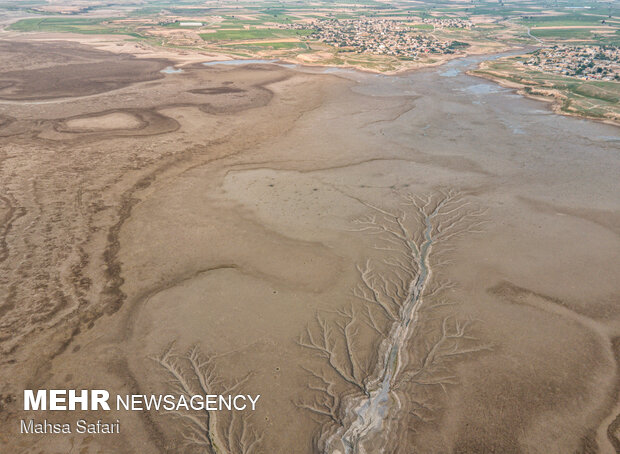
(379,36)
(584,62)
(450,22)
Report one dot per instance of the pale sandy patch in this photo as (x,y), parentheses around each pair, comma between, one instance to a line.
(115,120)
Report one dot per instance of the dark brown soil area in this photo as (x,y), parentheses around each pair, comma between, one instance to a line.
(76,70)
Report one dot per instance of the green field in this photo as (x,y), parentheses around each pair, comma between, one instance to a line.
(563,33)
(282,45)
(563,21)
(260,46)
(68,25)
(423,26)
(582,35)
(255,33)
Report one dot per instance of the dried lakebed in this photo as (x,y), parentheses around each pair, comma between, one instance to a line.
(433,271)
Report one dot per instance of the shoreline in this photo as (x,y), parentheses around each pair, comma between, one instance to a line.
(553,100)
(186,56)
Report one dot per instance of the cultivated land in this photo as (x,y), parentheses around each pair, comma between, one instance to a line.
(423,261)
(372,35)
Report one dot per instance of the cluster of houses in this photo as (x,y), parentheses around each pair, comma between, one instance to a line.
(584,62)
(379,36)
(448,23)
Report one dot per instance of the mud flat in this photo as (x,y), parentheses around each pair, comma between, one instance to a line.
(428,252)
(33,71)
